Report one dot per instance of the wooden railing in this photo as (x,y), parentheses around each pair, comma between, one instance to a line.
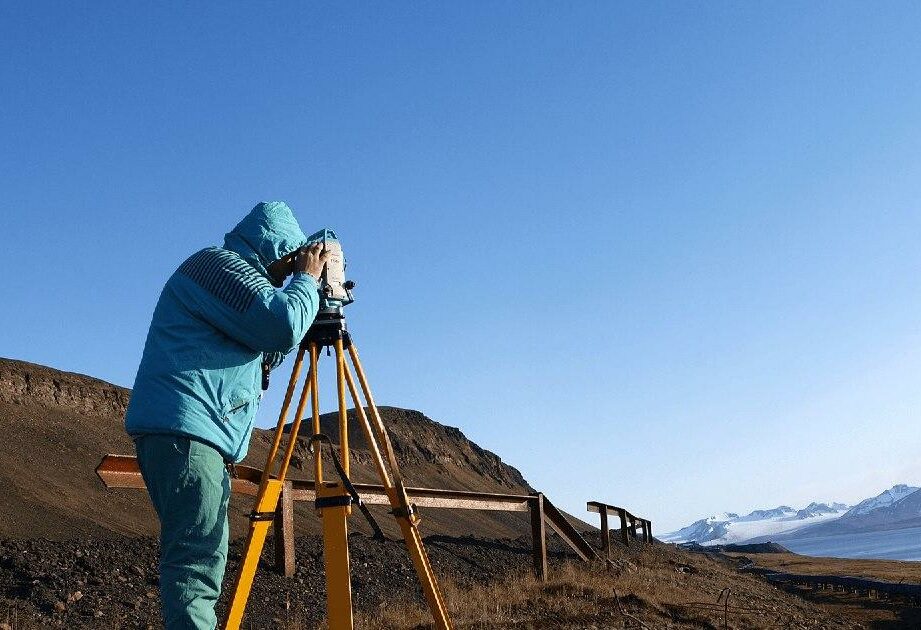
(628,525)
(869,587)
(121,471)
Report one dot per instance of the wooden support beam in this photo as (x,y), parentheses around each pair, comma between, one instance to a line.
(624,533)
(570,535)
(284,532)
(121,471)
(605,535)
(538,536)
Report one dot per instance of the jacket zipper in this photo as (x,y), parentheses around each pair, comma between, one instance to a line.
(234,410)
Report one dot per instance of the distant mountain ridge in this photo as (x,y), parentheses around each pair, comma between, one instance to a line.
(731,528)
(817,509)
(895,508)
(760,515)
(884,499)
(899,507)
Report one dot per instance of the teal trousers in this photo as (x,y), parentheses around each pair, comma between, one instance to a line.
(189,488)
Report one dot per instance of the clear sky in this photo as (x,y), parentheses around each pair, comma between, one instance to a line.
(663,255)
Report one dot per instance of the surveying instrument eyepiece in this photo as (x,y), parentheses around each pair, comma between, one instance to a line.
(334,499)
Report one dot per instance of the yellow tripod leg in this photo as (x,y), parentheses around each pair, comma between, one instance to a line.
(267,497)
(336,561)
(255,540)
(400,502)
(335,521)
(423,567)
(283,417)
(315,403)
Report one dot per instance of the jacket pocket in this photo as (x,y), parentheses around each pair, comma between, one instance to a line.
(237,407)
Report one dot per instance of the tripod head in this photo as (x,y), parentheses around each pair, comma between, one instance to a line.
(327,328)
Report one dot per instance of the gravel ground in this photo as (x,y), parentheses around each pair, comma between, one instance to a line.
(104,583)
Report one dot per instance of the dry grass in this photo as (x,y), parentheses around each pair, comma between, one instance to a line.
(893,570)
(655,589)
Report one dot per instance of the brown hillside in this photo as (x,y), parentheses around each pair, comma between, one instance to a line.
(56,426)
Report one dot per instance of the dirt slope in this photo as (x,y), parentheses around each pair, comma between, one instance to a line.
(56,426)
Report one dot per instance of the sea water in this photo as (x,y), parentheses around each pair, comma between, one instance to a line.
(897,544)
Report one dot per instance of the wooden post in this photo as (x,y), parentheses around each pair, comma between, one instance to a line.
(284,532)
(649,529)
(633,527)
(643,527)
(538,536)
(605,533)
(624,534)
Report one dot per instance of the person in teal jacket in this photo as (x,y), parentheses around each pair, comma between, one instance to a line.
(219,322)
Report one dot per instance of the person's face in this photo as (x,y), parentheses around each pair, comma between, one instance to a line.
(282,268)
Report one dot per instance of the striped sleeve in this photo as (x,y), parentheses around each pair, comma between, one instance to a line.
(226,276)
(240,302)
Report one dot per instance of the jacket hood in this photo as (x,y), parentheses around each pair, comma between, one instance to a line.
(267,233)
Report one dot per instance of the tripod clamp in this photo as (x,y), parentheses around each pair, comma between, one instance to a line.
(352,498)
(408,512)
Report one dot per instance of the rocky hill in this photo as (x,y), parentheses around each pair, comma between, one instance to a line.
(56,426)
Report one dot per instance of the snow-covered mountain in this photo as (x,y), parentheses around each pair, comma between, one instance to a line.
(884,499)
(897,507)
(817,509)
(726,528)
(710,528)
(761,515)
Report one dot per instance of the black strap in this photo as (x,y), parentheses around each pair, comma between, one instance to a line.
(266,371)
(353,498)
(338,500)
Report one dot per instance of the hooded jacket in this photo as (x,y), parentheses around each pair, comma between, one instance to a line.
(218,318)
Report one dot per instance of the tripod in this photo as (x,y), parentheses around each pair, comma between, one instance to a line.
(333,499)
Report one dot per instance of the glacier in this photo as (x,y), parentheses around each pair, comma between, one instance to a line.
(784,521)
(730,528)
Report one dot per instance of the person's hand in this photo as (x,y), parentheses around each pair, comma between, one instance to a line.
(311,260)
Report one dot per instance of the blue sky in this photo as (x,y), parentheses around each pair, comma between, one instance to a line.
(663,255)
